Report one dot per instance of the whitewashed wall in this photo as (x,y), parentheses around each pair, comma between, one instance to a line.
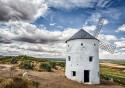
(80,60)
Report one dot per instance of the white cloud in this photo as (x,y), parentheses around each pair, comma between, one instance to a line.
(122,49)
(89,28)
(116,55)
(121,28)
(52,24)
(110,38)
(103,3)
(68,4)
(94,18)
(120,44)
(105,21)
(122,39)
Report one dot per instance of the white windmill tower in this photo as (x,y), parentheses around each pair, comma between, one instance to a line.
(82,62)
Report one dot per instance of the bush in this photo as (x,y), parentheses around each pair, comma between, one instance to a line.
(13,61)
(53,64)
(62,64)
(45,66)
(26,64)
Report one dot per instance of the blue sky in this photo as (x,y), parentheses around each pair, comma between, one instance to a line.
(46,25)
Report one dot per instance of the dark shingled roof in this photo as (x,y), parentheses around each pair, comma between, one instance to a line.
(81,34)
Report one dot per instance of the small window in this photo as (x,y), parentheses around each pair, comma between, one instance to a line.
(90,58)
(68,45)
(81,44)
(69,58)
(98,74)
(73,73)
(94,44)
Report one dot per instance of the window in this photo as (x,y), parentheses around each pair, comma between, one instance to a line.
(90,58)
(69,58)
(98,74)
(94,44)
(68,45)
(81,44)
(73,73)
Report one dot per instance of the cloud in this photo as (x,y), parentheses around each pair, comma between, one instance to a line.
(69,4)
(103,3)
(94,18)
(105,21)
(121,28)
(89,28)
(116,55)
(52,24)
(120,44)
(110,38)
(37,50)
(26,32)
(27,10)
(122,39)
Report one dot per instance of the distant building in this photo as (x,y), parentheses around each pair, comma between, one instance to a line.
(82,62)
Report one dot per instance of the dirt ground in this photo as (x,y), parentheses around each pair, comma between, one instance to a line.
(55,79)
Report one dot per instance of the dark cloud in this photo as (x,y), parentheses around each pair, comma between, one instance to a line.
(21,10)
(41,40)
(3,40)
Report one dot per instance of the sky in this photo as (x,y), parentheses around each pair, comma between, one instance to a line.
(39,28)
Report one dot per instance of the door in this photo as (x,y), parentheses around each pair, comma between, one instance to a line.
(86,75)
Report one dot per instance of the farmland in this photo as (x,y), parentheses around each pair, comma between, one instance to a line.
(113,69)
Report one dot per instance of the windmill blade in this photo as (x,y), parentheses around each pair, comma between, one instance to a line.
(98,27)
(107,47)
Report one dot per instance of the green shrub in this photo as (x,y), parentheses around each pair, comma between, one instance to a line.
(53,64)
(62,64)
(27,64)
(45,66)
(13,61)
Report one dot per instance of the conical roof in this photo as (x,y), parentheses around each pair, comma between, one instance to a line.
(81,34)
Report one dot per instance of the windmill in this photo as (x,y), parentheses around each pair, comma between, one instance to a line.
(105,46)
(82,60)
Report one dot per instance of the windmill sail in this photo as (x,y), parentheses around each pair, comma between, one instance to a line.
(107,47)
(98,27)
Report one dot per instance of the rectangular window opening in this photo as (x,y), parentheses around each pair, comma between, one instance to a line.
(73,73)
(98,74)
(69,58)
(90,58)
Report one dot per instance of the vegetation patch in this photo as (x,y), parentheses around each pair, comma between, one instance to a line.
(46,66)
(26,64)
(17,82)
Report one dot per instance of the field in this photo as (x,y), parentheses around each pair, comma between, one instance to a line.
(113,69)
(51,74)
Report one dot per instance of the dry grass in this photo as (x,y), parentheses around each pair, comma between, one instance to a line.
(17,82)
